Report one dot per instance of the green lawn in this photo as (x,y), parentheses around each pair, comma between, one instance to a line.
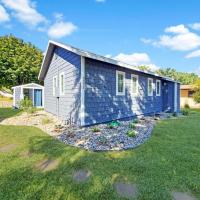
(8,112)
(169,161)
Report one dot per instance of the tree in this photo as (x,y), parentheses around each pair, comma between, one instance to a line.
(19,61)
(196,94)
(144,68)
(182,77)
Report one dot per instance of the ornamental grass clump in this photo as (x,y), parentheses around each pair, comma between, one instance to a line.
(185,112)
(95,129)
(131,133)
(132,125)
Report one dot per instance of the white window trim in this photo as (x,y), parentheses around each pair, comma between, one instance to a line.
(150,94)
(62,92)
(137,84)
(158,94)
(54,88)
(122,73)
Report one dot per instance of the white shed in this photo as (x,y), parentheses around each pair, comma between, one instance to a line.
(32,91)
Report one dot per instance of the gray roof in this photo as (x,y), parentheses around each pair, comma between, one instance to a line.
(87,54)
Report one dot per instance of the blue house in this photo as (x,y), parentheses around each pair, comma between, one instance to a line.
(84,88)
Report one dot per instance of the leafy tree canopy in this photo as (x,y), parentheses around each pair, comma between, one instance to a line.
(19,61)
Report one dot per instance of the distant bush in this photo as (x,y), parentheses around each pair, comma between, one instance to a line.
(110,126)
(174,114)
(186,106)
(185,111)
(135,121)
(131,133)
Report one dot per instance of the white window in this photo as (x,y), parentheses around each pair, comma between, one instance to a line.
(120,83)
(150,87)
(62,83)
(158,87)
(134,84)
(55,84)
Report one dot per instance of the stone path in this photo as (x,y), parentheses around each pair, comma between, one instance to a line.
(126,190)
(182,196)
(47,165)
(81,175)
(8,148)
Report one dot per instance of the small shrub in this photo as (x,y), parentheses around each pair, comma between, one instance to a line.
(185,112)
(26,104)
(31,110)
(186,106)
(135,121)
(132,125)
(114,123)
(110,126)
(95,129)
(131,133)
(46,120)
(174,114)
(103,140)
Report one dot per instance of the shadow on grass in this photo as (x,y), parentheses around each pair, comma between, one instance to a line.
(8,112)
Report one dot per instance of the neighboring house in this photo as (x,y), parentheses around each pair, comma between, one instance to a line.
(32,91)
(186,96)
(84,88)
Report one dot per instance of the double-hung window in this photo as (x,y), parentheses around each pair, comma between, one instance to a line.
(120,83)
(134,84)
(150,87)
(55,85)
(62,83)
(158,87)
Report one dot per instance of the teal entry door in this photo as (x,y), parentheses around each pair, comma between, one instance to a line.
(38,98)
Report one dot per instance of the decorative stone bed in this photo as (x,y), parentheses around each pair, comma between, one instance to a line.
(103,138)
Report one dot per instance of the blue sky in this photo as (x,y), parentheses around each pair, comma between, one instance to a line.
(156,33)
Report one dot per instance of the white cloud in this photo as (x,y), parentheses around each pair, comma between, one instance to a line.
(25,11)
(108,55)
(193,54)
(4,16)
(146,41)
(195,26)
(61,29)
(136,59)
(179,29)
(178,38)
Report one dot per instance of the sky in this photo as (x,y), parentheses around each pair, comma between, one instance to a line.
(157,33)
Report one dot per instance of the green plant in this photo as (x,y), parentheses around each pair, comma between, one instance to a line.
(174,114)
(110,126)
(114,123)
(26,104)
(185,111)
(95,129)
(135,121)
(103,140)
(186,106)
(132,125)
(46,120)
(31,110)
(131,133)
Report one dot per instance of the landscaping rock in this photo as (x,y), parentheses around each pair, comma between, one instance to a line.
(47,165)
(182,196)
(8,148)
(81,176)
(126,190)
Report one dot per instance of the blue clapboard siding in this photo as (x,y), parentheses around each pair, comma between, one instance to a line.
(101,102)
(67,106)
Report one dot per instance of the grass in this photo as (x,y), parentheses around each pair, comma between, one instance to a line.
(8,112)
(168,161)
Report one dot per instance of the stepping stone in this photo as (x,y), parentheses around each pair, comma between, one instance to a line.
(47,165)
(126,190)
(7,148)
(182,196)
(81,176)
